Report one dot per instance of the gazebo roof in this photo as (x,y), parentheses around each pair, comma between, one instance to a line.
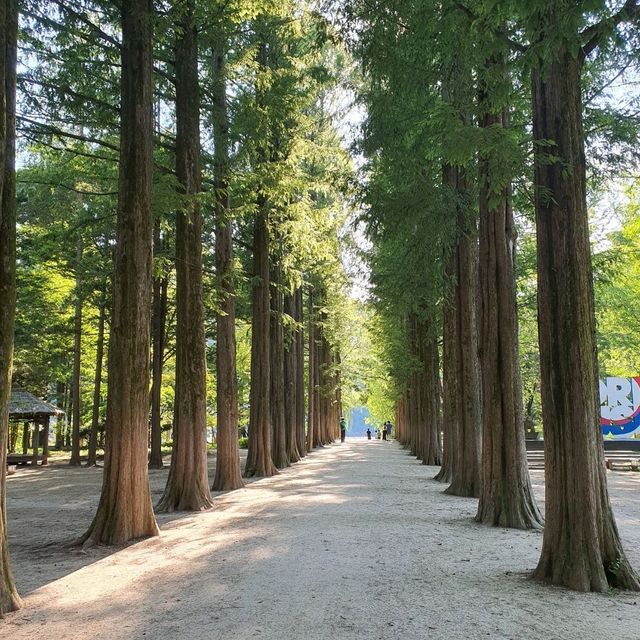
(24,406)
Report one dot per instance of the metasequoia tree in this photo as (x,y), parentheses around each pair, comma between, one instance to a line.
(506,496)
(228,474)
(188,483)
(259,461)
(125,511)
(581,546)
(9,599)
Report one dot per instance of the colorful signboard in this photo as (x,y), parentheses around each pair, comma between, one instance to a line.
(620,407)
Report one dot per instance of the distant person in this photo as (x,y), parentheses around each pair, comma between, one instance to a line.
(389,428)
(384,431)
(368,434)
(343,429)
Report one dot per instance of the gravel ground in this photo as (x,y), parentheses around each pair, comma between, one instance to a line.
(356,541)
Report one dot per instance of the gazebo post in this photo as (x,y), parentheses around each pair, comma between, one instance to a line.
(36,437)
(45,444)
(25,437)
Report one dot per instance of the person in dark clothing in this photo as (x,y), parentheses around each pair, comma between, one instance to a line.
(343,429)
(384,431)
(368,434)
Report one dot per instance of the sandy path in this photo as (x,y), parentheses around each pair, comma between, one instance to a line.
(354,542)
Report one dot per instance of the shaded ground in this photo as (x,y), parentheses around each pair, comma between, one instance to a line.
(356,541)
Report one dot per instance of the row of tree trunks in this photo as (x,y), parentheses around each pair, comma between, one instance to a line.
(9,599)
(418,421)
(430,449)
(125,511)
(187,485)
(324,404)
(228,475)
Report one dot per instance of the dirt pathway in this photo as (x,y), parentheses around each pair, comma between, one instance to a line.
(356,541)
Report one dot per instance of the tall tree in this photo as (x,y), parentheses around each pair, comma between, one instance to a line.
(9,599)
(259,458)
(125,511)
(228,474)
(506,496)
(581,545)
(188,483)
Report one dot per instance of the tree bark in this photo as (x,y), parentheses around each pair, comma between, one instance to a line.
(228,476)
(9,598)
(311,367)
(77,353)
(462,349)
(278,418)
(259,462)
(581,546)
(291,379)
(506,497)
(158,331)
(125,511)
(430,449)
(299,372)
(97,386)
(187,486)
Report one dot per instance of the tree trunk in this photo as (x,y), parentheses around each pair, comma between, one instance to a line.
(581,546)
(158,331)
(187,486)
(299,372)
(228,476)
(463,349)
(311,367)
(9,599)
(291,380)
(259,462)
(430,450)
(506,497)
(278,418)
(125,511)
(77,352)
(97,386)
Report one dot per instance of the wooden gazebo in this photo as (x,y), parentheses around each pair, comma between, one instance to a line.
(25,408)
